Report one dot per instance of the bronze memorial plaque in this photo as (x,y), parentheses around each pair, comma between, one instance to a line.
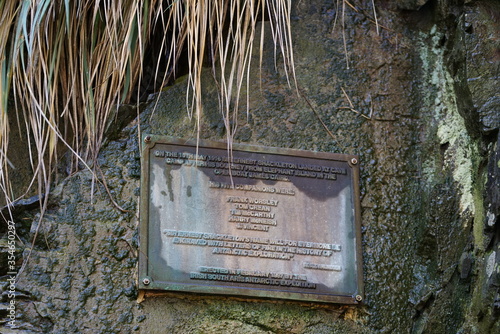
(258,222)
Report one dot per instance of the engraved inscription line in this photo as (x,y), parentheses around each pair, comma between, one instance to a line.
(251,168)
(252,246)
(249,187)
(252,276)
(251,280)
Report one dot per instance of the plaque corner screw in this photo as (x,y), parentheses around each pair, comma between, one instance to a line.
(359,298)
(146,281)
(147,139)
(354,161)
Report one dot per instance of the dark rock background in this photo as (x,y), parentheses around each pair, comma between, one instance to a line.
(427,100)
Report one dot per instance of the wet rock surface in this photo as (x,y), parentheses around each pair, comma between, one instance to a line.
(418,103)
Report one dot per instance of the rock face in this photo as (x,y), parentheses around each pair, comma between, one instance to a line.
(418,102)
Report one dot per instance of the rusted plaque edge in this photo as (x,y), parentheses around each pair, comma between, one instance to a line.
(263,228)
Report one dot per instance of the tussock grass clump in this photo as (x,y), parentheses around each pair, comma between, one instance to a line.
(70,64)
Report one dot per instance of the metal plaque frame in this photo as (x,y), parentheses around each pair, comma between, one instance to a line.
(254,221)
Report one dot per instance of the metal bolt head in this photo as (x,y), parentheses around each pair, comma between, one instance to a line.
(359,298)
(147,139)
(146,281)
(354,161)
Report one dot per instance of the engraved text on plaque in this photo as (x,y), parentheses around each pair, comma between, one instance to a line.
(261,222)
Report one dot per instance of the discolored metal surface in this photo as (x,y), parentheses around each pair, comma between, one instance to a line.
(262,222)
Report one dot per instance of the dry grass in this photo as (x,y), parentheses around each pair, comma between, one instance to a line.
(225,32)
(7,17)
(70,64)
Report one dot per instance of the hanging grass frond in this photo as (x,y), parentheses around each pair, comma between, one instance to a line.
(70,64)
(8,11)
(224,32)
